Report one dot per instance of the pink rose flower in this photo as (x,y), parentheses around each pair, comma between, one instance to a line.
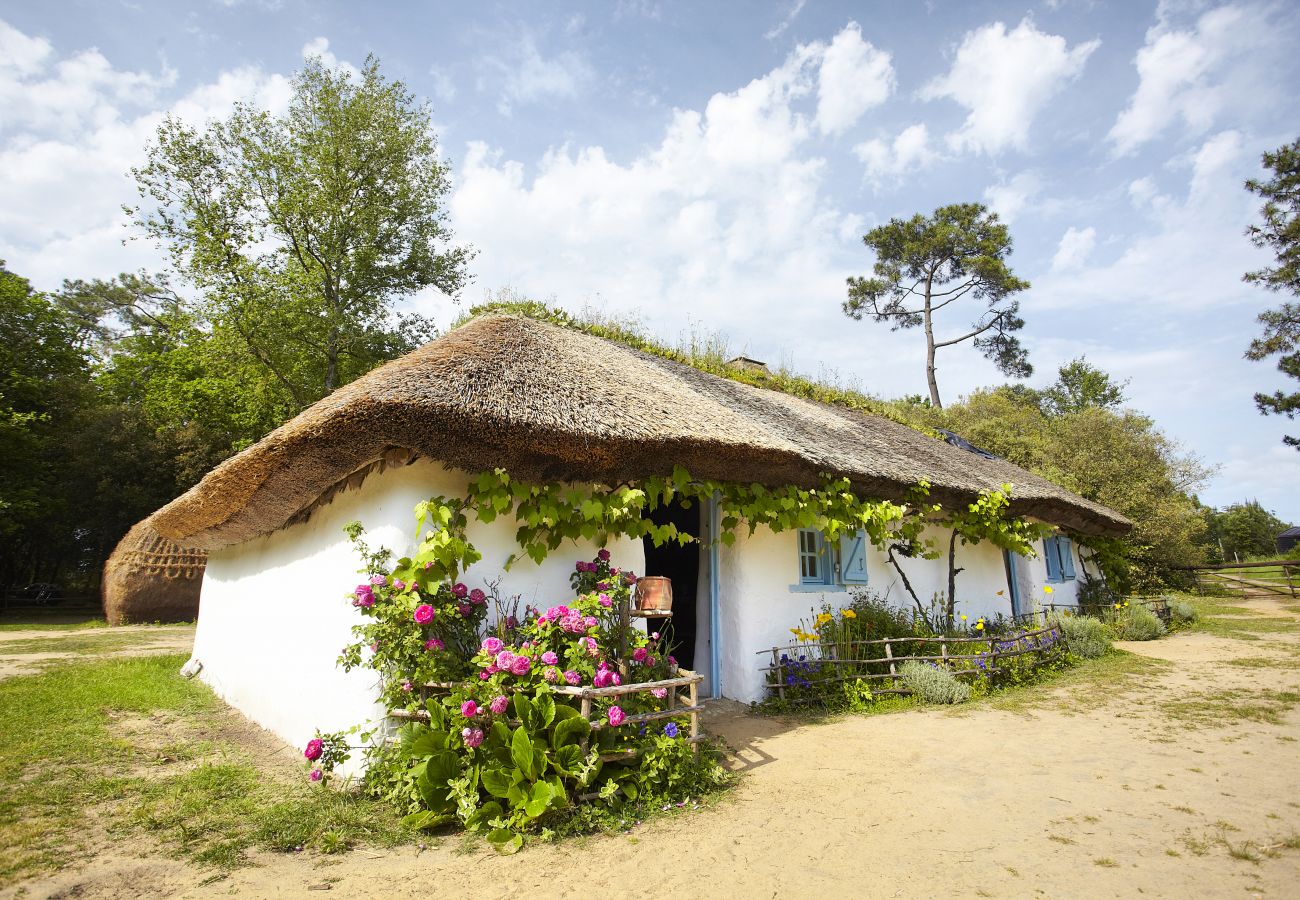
(551,674)
(591,621)
(659,693)
(407,686)
(542,621)
(649,660)
(604,601)
(492,669)
(654,635)
(464,609)
(434,644)
(639,654)
(460,590)
(378,580)
(399,584)
(520,666)
(492,646)
(374,647)
(315,747)
(616,716)
(630,578)
(603,555)
(592,648)
(483,676)
(616,678)
(505,659)
(602,679)
(316,775)
(469,709)
(549,658)
(424,614)
(572,677)
(472,737)
(477,596)
(672,661)
(498,705)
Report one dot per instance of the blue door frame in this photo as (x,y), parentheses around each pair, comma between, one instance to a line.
(1009,559)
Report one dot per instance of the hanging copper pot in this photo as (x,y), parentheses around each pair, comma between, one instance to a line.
(654,593)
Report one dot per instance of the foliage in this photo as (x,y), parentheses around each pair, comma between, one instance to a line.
(1243,530)
(1134,622)
(924,264)
(1280,233)
(1085,636)
(1182,612)
(1081,386)
(301,230)
(932,683)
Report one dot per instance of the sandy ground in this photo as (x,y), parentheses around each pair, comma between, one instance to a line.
(1144,787)
(28,651)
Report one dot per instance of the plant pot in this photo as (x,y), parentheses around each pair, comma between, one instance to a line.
(654,593)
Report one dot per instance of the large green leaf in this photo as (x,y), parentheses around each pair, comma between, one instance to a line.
(563,712)
(523,710)
(571,731)
(428,743)
(496,782)
(544,707)
(440,768)
(437,714)
(505,841)
(568,758)
(425,818)
(521,751)
(483,816)
(539,798)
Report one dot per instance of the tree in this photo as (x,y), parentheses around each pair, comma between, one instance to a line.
(1079,386)
(300,231)
(1280,232)
(1245,529)
(924,264)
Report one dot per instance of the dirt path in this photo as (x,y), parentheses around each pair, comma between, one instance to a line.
(1183,781)
(28,651)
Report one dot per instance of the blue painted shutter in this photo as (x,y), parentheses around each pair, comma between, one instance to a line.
(1053,559)
(853,558)
(1067,556)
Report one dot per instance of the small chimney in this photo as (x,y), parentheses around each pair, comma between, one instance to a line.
(749,365)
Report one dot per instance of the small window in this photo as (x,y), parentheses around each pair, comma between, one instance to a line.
(812,557)
(1058,553)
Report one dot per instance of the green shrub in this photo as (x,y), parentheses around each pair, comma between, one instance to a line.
(1183,613)
(1137,623)
(932,684)
(1084,636)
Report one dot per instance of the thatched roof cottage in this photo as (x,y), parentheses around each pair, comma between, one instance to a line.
(552,404)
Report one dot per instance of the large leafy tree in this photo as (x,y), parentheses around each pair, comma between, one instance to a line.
(1279,232)
(1081,385)
(1245,529)
(926,264)
(301,231)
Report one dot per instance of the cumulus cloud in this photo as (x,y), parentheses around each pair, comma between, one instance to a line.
(1004,78)
(854,76)
(320,47)
(1193,74)
(1009,198)
(1075,247)
(908,152)
(529,77)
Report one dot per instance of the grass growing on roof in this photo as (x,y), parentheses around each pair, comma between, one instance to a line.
(67,776)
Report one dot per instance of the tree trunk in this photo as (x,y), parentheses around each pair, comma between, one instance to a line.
(332,361)
(929,348)
(951,611)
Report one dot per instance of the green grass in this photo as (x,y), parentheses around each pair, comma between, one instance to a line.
(1227,707)
(35,623)
(67,776)
(93,642)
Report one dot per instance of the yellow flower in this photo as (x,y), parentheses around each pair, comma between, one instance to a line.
(979,626)
(796,631)
(1000,593)
(849,614)
(1047,589)
(823,619)
(963,618)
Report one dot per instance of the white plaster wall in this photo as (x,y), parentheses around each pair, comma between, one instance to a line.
(983,575)
(1032,577)
(273,614)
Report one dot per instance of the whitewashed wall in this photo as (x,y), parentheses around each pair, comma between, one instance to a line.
(273,614)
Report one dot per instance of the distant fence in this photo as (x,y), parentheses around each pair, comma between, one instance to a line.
(878,660)
(1285,580)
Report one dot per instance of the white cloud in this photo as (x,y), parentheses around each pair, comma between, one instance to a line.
(443,87)
(1075,247)
(1009,198)
(320,47)
(26,55)
(528,77)
(854,77)
(1195,74)
(908,152)
(779,29)
(1004,78)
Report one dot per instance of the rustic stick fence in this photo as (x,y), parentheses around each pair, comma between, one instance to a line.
(1238,575)
(682,699)
(877,660)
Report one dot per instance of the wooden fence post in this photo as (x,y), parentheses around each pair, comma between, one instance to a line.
(893,673)
(695,717)
(780,674)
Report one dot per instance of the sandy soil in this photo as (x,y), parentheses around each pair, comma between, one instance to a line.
(17,656)
(1113,791)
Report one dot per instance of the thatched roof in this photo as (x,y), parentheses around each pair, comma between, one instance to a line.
(548,403)
(151,579)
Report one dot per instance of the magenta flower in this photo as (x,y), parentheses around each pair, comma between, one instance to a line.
(520,666)
(424,614)
(603,555)
(316,775)
(572,677)
(315,747)
(639,654)
(654,635)
(477,596)
(549,658)
(604,601)
(492,669)
(591,621)
(469,709)
(616,716)
(498,705)
(484,675)
(603,678)
(378,580)
(616,678)
(460,590)
(399,584)
(434,644)
(492,646)
(472,737)
(602,586)
(672,661)
(629,578)
(592,648)
(649,660)
(464,609)
(407,686)
(505,659)
(659,693)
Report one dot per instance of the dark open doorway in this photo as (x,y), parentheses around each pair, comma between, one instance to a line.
(681,565)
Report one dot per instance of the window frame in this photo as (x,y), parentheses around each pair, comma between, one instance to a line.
(819,554)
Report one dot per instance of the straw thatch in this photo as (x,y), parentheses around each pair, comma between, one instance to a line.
(151,579)
(548,403)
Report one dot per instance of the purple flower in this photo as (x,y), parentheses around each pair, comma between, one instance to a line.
(316,775)
(407,686)
(469,709)
(472,737)
(639,654)
(604,601)
(520,666)
(630,578)
(549,658)
(477,596)
(492,646)
(434,644)
(315,747)
(460,591)
(498,705)
(604,678)
(671,729)
(424,614)
(591,621)
(464,609)
(616,716)
(602,586)
(603,555)
(572,677)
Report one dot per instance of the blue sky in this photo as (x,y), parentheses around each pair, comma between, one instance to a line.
(713,166)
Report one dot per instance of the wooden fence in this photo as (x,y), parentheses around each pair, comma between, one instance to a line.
(1238,575)
(1041,645)
(682,699)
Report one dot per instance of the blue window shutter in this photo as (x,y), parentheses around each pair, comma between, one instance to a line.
(1067,556)
(1053,559)
(853,558)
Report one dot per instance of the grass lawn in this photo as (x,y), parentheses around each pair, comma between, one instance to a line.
(71,777)
(32,622)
